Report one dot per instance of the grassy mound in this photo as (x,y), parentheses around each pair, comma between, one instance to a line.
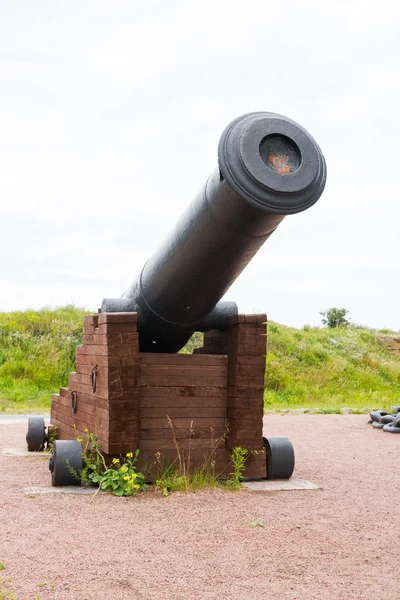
(329,369)
(37,352)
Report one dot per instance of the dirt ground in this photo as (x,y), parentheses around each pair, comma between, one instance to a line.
(338,542)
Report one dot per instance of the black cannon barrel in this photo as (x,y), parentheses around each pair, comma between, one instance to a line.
(268,167)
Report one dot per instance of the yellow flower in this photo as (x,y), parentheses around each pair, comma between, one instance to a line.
(136,486)
(115,461)
(129,455)
(79,440)
(133,476)
(124,469)
(126,477)
(86,430)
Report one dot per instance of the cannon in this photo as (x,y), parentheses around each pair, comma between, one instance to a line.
(268,167)
(130,383)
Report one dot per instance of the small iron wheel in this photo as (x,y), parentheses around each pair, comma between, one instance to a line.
(36,437)
(280,457)
(66,456)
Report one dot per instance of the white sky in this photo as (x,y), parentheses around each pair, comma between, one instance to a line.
(110,116)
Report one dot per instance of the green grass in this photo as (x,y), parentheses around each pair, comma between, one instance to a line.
(329,369)
(37,352)
(312,368)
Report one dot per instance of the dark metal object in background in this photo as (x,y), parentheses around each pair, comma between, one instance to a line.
(269,167)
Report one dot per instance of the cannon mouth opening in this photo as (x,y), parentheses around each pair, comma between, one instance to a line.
(280,154)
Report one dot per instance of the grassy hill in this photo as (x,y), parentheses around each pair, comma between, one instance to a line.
(314,368)
(37,351)
(329,369)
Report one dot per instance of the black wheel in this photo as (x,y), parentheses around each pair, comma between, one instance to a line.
(280,457)
(36,435)
(67,455)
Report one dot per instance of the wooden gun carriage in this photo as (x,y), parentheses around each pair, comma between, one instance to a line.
(131,386)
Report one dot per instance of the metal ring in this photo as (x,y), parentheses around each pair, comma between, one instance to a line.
(74,401)
(94,377)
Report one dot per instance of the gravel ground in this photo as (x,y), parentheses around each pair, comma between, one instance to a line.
(338,542)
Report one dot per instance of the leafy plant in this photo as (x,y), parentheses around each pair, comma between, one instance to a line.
(120,479)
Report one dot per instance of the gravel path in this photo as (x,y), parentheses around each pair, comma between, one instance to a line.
(339,542)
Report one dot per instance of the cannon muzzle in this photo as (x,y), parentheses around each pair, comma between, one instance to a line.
(268,167)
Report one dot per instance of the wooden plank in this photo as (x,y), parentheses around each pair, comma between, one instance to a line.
(149,358)
(88,405)
(106,394)
(249,444)
(81,423)
(183,412)
(182,402)
(183,371)
(118,388)
(250,382)
(115,328)
(183,391)
(169,444)
(216,422)
(255,405)
(117,317)
(247,370)
(244,436)
(189,381)
(182,434)
(116,350)
(105,361)
(240,391)
(104,373)
(110,339)
(89,320)
(241,413)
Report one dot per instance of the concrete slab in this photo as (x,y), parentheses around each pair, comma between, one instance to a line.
(23,451)
(34,491)
(277,485)
(13,419)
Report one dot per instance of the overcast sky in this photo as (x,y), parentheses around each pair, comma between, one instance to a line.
(111,114)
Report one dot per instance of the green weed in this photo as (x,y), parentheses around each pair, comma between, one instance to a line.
(256,523)
(238,458)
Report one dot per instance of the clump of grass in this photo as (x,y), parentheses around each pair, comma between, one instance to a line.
(180,475)
(7,594)
(329,369)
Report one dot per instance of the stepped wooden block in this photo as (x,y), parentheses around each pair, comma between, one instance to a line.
(208,402)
